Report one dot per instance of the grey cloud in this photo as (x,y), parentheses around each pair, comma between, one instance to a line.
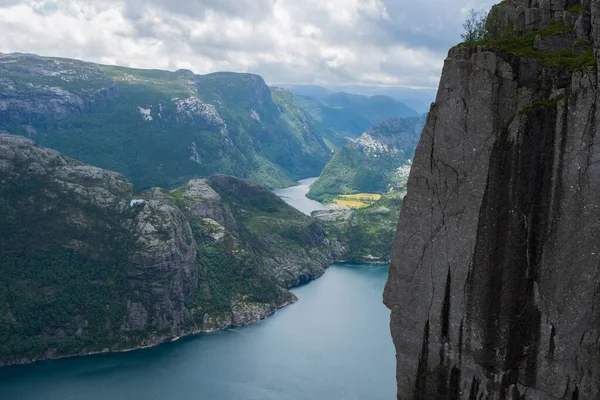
(164,34)
(199,8)
(432,24)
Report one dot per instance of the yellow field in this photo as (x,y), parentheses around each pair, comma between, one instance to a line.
(358,200)
(361,196)
(350,203)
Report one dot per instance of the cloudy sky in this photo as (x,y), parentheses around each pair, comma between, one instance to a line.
(335,42)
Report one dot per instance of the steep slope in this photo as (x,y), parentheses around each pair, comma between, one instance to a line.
(494,276)
(90,264)
(158,127)
(374,163)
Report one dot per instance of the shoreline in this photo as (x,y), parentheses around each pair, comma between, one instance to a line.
(154,342)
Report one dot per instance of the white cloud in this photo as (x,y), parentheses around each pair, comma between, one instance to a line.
(310,41)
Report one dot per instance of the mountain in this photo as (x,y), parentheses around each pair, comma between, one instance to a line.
(349,114)
(494,279)
(161,128)
(91,264)
(416,104)
(313,91)
(416,98)
(376,162)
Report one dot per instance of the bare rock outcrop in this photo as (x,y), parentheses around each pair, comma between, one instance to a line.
(494,276)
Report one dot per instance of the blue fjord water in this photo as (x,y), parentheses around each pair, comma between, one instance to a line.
(333,344)
(295,196)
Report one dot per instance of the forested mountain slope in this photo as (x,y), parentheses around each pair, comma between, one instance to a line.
(89,263)
(161,128)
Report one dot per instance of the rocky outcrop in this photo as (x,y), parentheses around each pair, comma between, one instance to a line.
(494,276)
(42,89)
(397,135)
(292,246)
(90,264)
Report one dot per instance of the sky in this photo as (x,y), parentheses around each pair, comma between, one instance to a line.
(321,42)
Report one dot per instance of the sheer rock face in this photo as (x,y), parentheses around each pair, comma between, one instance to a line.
(495,272)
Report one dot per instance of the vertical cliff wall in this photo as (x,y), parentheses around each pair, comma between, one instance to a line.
(494,284)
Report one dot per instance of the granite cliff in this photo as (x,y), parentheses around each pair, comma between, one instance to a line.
(91,264)
(494,279)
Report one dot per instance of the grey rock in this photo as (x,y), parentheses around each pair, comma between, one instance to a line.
(554,43)
(494,275)
(33,100)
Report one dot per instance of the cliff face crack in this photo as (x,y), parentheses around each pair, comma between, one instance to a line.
(445,317)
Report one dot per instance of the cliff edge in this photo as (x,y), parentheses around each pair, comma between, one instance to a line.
(495,273)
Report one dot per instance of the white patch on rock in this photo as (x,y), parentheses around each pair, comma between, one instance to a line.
(255,115)
(192,108)
(146,113)
(195,157)
(372,145)
(216,230)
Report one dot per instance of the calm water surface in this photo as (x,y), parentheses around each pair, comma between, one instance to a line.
(334,344)
(296,196)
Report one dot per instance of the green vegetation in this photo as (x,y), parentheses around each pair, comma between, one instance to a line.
(368,234)
(51,292)
(355,201)
(162,128)
(577,9)
(474,26)
(370,165)
(548,103)
(225,275)
(479,25)
(84,271)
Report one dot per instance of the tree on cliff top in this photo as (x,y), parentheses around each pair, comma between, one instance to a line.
(474,26)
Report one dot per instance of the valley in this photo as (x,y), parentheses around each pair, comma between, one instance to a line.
(222,365)
(198,231)
(129,266)
(136,210)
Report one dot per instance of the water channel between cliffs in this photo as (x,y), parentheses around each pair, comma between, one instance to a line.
(333,344)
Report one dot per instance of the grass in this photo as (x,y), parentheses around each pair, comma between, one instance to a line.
(522,45)
(362,196)
(548,103)
(350,203)
(356,201)
(576,9)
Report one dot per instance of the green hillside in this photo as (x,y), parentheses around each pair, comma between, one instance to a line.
(374,163)
(161,128)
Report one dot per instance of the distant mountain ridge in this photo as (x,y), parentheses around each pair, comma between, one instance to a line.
(351,114)
(418,99)
(160,128)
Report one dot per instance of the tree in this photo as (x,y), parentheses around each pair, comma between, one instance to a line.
(474,26)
